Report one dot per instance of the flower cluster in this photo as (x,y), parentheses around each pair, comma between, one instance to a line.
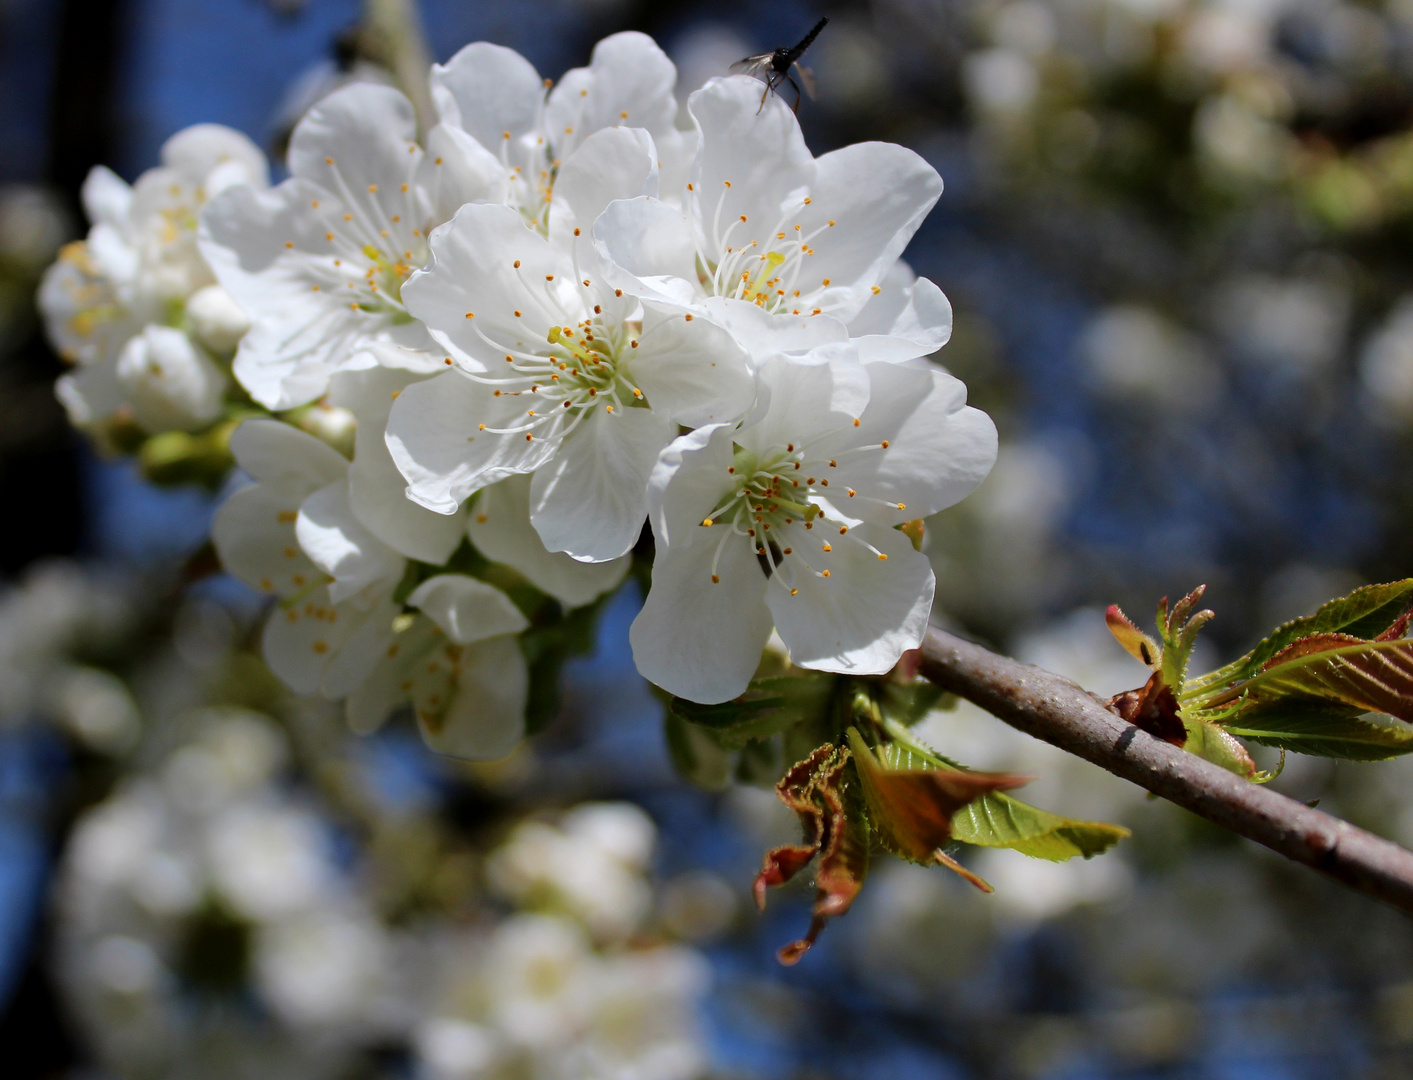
(556,317)
(211,921)
(135,306)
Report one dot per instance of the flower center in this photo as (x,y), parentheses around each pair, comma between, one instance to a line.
(782,503)
(769,269)
(582,366)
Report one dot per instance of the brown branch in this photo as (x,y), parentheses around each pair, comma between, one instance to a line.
(1057,711)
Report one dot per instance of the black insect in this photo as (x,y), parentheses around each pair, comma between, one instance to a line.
(776,66)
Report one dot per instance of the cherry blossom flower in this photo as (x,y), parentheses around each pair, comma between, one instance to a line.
(336,541)
(782,249)
(521,136)
(555,373)
(320,260)
(140,267)
(323,257)
(790,520)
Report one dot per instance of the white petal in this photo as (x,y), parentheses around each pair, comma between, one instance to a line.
(616,163)
(500,528)
(688,481)
(767,336)
(198,151)
(300,640)
(466,608)
(920,325)
(699,640)
(653,247)
(286,459)
(939,449)
(254,535)
(590,499)
(389,684)
(629,81)
(758,150)
(690,369)
(861,618)
(486,90)
(377,491)
(883,309)
(486,716)
(340,545)
(357,137)
(171,383)
(457,170)
(373,700)
(435,439)
(107,198)
(367,637)
(91,394)
(806,403)
(877,195)
(472,289)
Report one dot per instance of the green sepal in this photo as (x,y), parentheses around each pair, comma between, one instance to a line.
(696,755)
(769,706)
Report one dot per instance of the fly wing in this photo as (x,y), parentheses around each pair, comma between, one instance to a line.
(752,65)
(806,78)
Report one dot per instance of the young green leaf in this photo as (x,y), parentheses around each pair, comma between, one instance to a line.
(1135,642)
(1367,613)
(1002,821)
(1336,670)
(1322,731)
(1207,740)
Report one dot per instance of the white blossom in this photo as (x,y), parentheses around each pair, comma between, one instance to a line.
(319,261)
(171,384)
(322,258)
(783,250)
(789,520)
(522,137)
(558,375)
(140,264)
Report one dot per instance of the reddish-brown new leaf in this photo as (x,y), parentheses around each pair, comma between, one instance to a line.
(814,789)
(1152,708)
(912,808)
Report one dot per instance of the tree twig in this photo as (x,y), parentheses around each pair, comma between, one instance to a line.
(1057,711)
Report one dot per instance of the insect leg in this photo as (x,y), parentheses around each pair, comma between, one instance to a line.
(798,94)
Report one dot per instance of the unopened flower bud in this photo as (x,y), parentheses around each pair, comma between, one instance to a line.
(171,384)
(216,319)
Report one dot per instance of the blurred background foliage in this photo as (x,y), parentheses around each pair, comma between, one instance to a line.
(1176,235)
